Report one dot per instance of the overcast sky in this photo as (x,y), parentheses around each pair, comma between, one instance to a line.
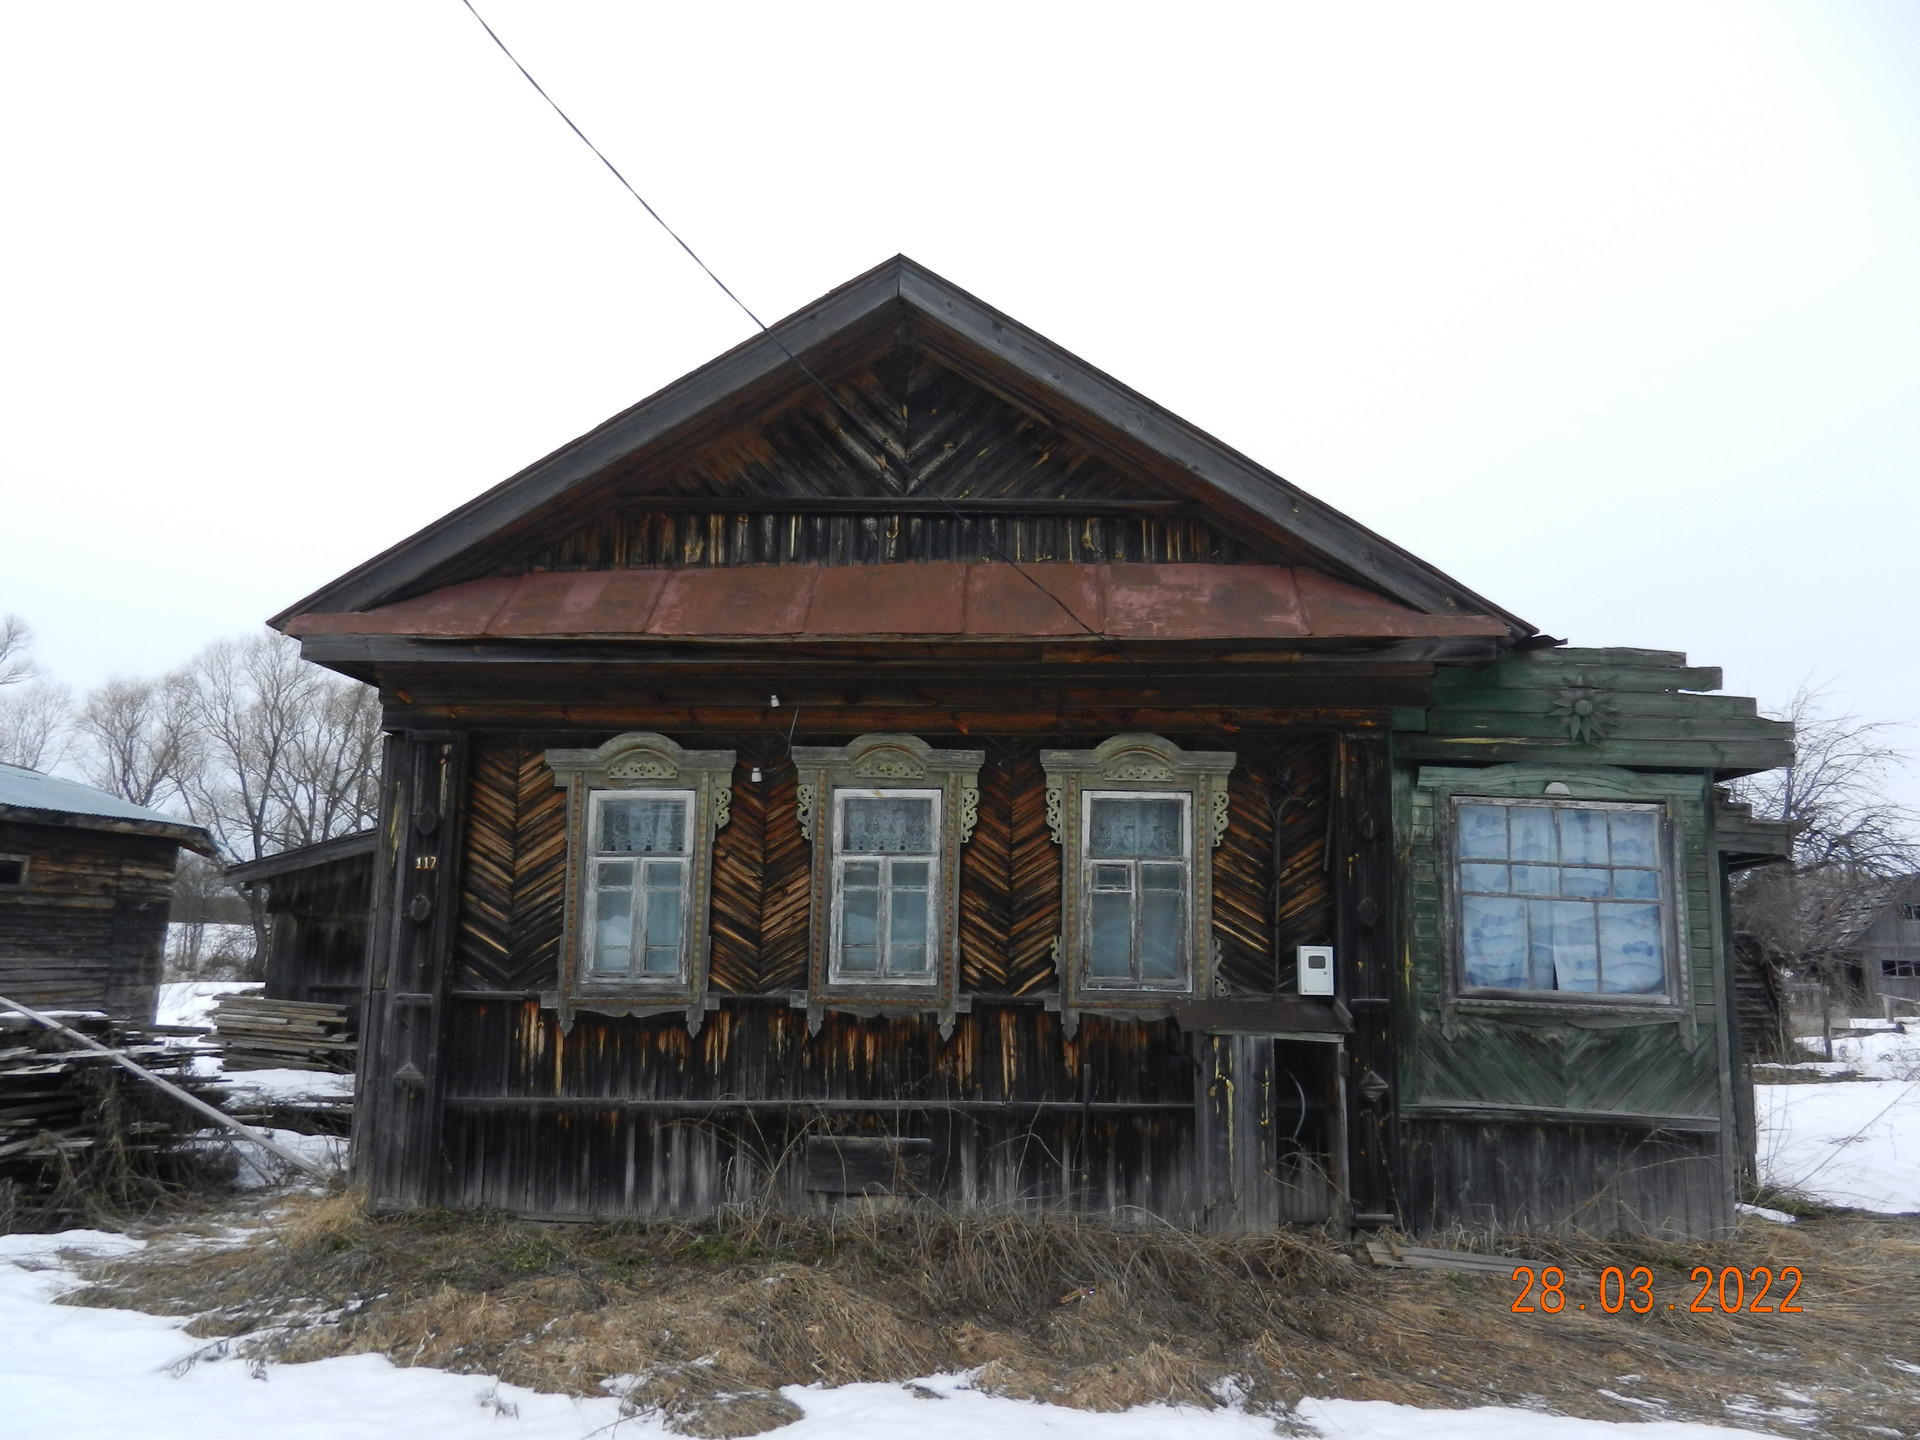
(1611,311)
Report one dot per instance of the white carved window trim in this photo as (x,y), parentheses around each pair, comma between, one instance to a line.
(1182,982)
(1134,764)
(864,765)
(640,762)
(935,860)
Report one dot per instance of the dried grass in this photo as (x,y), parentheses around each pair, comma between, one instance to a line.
(701,1324)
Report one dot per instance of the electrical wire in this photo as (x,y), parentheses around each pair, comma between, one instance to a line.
(746,310)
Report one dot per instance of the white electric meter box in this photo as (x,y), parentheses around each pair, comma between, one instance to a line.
(1316,969)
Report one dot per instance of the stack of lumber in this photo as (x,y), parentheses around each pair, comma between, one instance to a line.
(255,1033)
(72,1118)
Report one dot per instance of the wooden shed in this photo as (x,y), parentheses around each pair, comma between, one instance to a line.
(317,899)
(934,770)
(86,879)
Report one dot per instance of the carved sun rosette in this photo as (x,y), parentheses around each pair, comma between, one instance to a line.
(1589,713)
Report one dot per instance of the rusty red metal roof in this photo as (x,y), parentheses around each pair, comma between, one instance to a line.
(986,601)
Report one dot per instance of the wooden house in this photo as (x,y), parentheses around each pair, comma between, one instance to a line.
(317,899)
(86,879)
(898,760)
(1879,955)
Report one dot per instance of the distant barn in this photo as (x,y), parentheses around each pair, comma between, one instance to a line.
(86,879)
(316,900)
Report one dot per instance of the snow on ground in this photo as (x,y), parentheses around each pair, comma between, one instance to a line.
(191,1002)
(1848,1142)
(254,1089)
(82,1374)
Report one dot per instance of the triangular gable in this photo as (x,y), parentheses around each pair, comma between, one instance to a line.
(938,399)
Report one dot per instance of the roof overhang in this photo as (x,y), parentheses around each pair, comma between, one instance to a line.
(190,837)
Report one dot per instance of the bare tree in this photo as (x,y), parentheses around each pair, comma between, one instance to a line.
(139,740)
(16,651)
(288,754)
(36,725)
(1850,839)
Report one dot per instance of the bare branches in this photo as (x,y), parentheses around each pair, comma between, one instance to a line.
(1835,792)
(36,725)
(138,739)
(1850,841)
(16,651)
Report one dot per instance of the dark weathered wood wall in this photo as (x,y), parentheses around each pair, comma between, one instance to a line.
(634,1115)
(89,931)
(318,945)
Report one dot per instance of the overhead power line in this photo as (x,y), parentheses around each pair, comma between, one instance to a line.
(614,170)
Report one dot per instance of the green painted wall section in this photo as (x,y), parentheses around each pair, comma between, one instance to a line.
(1510,729)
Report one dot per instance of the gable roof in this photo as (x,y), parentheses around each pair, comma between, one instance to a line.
(854,324)
(31,797)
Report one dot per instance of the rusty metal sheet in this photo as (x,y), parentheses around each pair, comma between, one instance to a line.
(1335,608)
(1202,602)
(459,611)
(736,600)
(1129,602)
(592,602)
(889,600)
(1002,601)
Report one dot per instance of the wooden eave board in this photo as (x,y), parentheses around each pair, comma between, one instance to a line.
(858,321)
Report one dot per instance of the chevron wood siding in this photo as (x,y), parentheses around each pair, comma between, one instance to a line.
(923,432)
(986,884)
(513,871)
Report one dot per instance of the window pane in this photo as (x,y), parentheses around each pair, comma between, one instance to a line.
(1483,832)
(907,932)
(861,874)
(1162,912)
(1494,939)
(1564,957)
(1491,878)
(663,917)
(909,874)
(1636,884)
(1532,828)
(1635,837)
(1536,880)
(1161,877)
(889,825)
(860,929)
(1632,954)
(1134,827)
(1112,877)
(641,827)
(1589,883)
(1583,837)
(1112,940)
(613,921)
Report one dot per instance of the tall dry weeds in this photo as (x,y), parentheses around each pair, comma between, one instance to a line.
(703,1323)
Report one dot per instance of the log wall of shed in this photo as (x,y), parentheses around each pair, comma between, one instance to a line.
(88,930)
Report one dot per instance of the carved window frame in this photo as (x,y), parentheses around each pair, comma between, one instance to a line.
(877,764)
(633,762)
(1134,765)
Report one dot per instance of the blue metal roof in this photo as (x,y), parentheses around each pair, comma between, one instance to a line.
(24,789)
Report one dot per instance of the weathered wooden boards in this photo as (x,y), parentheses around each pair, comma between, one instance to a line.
(257,1033)
(62,1109)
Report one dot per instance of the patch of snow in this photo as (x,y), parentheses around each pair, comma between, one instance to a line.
(191,1002)
(1877,1054)
(260,1168)
(75,1373)
(1855,1145)
(1761,1212)
(276,1087)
